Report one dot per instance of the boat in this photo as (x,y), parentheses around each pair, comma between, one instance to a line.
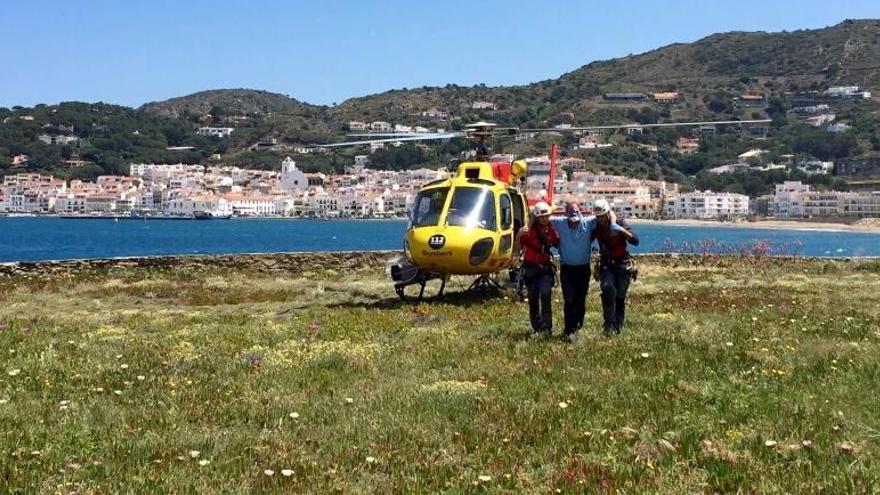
(210,215)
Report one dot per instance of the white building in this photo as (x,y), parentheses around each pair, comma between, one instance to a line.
(816,167)
(483,105)
(796,200)
(57,140)
(71,203)
(248,205)
(188,206)
(292,177)
(380,126)
(219,132)
(786,200)
(707,205)
(356,125)
(435,113)
(847,92)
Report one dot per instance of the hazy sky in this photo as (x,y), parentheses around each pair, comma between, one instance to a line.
(326,51)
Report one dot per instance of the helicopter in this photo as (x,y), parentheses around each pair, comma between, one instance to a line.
(467,224)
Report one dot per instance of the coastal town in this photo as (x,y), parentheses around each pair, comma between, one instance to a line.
(196,191)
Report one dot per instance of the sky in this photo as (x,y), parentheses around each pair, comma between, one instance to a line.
(324,52)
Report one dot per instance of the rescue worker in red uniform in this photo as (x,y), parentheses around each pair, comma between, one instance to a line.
(616,268)
(539,272)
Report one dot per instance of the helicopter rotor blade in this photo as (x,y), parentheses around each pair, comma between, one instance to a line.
(393,134)
(448,135)
(643,126)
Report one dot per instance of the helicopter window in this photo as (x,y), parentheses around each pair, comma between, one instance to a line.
(481,181)
(518,211)
(472,207)
(506,212)
(428,206)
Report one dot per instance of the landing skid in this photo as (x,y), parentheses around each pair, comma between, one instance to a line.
(484,284)
(421,280)
(404,273)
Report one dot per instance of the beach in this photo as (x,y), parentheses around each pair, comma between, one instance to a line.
(865,225)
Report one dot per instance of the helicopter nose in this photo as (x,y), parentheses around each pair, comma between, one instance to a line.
(481,250)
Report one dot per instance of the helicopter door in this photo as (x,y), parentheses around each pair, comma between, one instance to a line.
(506,223)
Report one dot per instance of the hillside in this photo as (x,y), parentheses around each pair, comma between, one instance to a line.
(847,53)
(232,102)
(709,74)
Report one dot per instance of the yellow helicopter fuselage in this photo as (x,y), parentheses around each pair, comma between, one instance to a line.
(467,224)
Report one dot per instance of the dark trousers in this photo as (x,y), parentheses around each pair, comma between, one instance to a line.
(614,281)
(539,289)
(575,280)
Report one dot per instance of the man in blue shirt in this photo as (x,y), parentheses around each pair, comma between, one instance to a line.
(575,240)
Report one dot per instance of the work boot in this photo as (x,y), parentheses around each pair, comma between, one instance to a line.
(570,338)
(608,331)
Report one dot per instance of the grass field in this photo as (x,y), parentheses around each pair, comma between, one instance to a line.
(741,375)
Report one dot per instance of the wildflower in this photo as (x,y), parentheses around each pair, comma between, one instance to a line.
(729,344)
(141,378)
(194,454)
(370,459)
(64,402)
(99,389)
(3,401)
(287,472)
(123,366)
(294,415)
(268,472)
(117,392)
(484,478)
(204,462)
(806,443)
(770,443)
(119,356)
(754,318)
(563,405)
(349,400)
(645,355)
(14,372)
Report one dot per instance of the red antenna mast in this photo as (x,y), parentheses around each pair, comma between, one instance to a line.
(554,151)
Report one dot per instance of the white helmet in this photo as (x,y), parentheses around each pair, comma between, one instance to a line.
(541,209)
(601,207)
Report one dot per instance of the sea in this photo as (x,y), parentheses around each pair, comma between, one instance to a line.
(53,238)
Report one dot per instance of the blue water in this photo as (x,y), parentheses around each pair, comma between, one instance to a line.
(34,239)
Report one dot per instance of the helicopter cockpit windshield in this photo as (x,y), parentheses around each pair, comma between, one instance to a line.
(472,207)
(428,207)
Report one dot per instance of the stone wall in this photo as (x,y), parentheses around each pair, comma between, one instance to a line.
(299,262)
(286,262)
